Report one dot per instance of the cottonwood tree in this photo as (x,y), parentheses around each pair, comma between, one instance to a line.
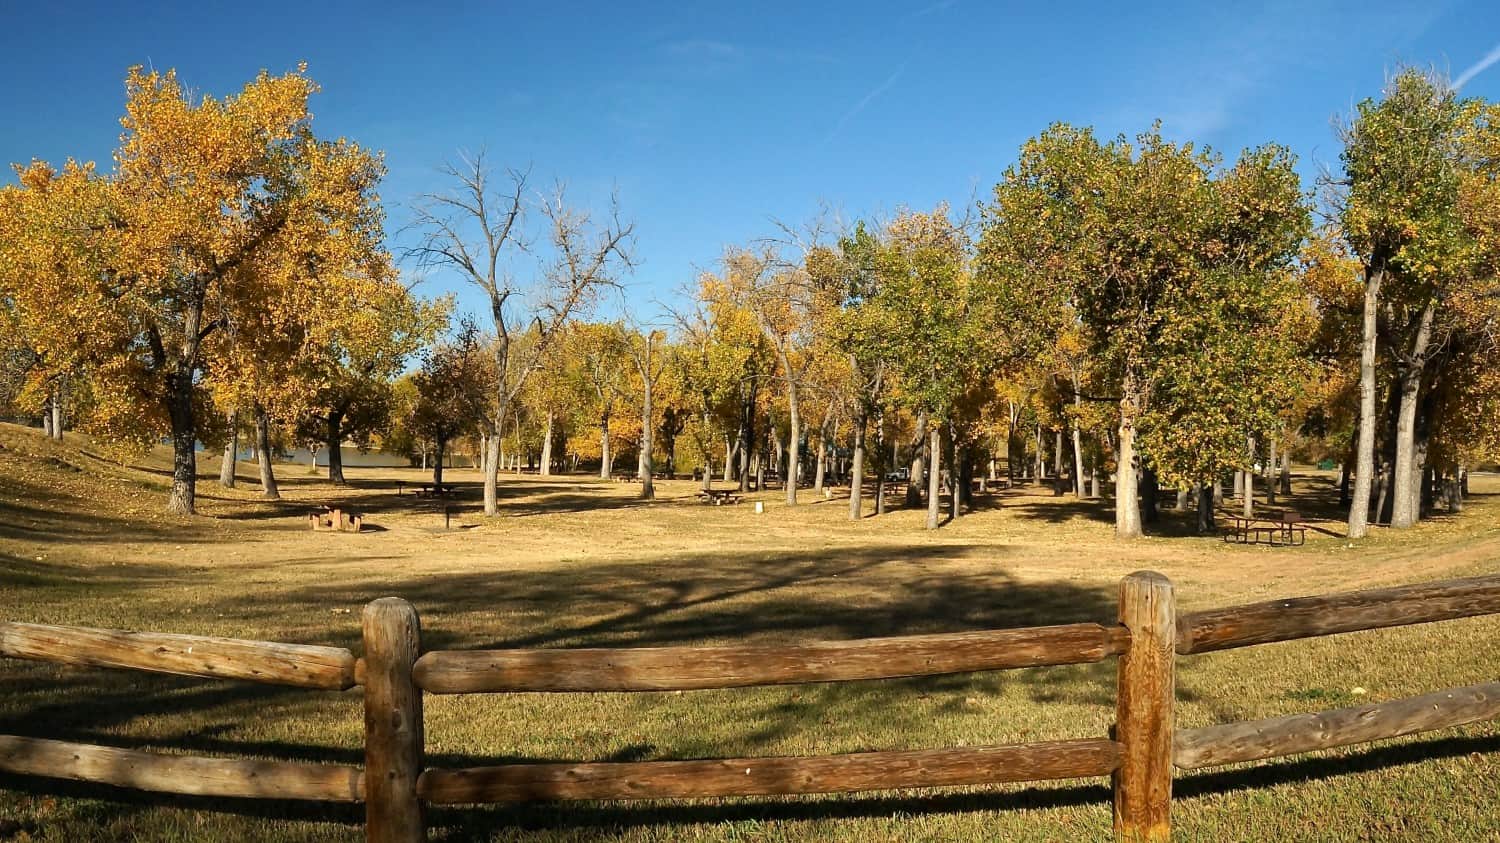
(355,365)
(1399,208)
(858,321)
(645,349)
(202,192)
(781,298)
(452,388)
(941,328)
(475,229)
(1148,246)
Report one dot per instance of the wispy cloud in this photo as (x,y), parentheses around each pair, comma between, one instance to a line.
(932,8)
(1477,67)
(704,48)
(865,101)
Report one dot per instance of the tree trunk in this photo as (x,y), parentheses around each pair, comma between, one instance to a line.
(1239,484)
(1407,470)
(1285,478)
(955,502)
(184,440)
(794,444)
(1182,498)
(935,440)
(606,459)
(1271,472)
(268,488)
(47,417)
(546,469)
(336,447)
(1077,447)
(1248,498)
(1150,494)
(644,470)
(880,464)
(743,447)
(821,468)
(728,459)
(857,471)
(914,478)
(1364,452)
(227,468)
(1205,508)
(492,471)
(57,413)
(439,447)
(1127,503)
(1057,462)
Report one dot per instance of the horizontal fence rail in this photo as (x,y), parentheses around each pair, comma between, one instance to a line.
(298,665)
(1295,733)
(772,776)
(188,775)
(1308,617)
(394,672)
(690,668)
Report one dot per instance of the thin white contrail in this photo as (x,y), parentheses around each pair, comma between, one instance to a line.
(868,98)
(1478,67)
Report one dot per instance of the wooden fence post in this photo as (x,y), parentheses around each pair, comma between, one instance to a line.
(1143,710)
(393,722)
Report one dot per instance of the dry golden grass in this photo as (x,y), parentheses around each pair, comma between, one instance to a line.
(575,561)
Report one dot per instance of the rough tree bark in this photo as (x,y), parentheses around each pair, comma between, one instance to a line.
(268,489)
(57,412)
(1406,507)
(227,468)
(1271,472)
(914,478)
(184,441)
(857,470)
(1127,500)
(546,468)
(934,489)
(1248,498)
(1364,451)
(644,469)
(335,444)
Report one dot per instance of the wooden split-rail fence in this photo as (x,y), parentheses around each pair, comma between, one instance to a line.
(1140,755)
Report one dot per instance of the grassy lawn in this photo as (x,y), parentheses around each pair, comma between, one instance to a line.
(578,562)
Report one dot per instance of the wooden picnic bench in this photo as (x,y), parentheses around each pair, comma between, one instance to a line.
(335,520)
(719,497)
(1287,528)
(433,490)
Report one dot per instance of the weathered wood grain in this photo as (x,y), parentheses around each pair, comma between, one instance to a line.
(299,665)
(687,668)
(1306,617)
(1144,710)
(184,774)
(771,776)
(1252,740)
(393,722)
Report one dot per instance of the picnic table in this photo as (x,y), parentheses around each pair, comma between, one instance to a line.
(1285,528)
(333,519)
(719,497)
(434,490)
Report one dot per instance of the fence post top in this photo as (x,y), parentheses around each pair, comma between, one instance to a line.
(388,605)
(1151,578)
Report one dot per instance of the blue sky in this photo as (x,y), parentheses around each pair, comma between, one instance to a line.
(710,119)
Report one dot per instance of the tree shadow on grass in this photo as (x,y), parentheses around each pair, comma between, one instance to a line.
(619,818)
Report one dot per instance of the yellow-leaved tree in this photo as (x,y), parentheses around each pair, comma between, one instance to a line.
(226,231)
